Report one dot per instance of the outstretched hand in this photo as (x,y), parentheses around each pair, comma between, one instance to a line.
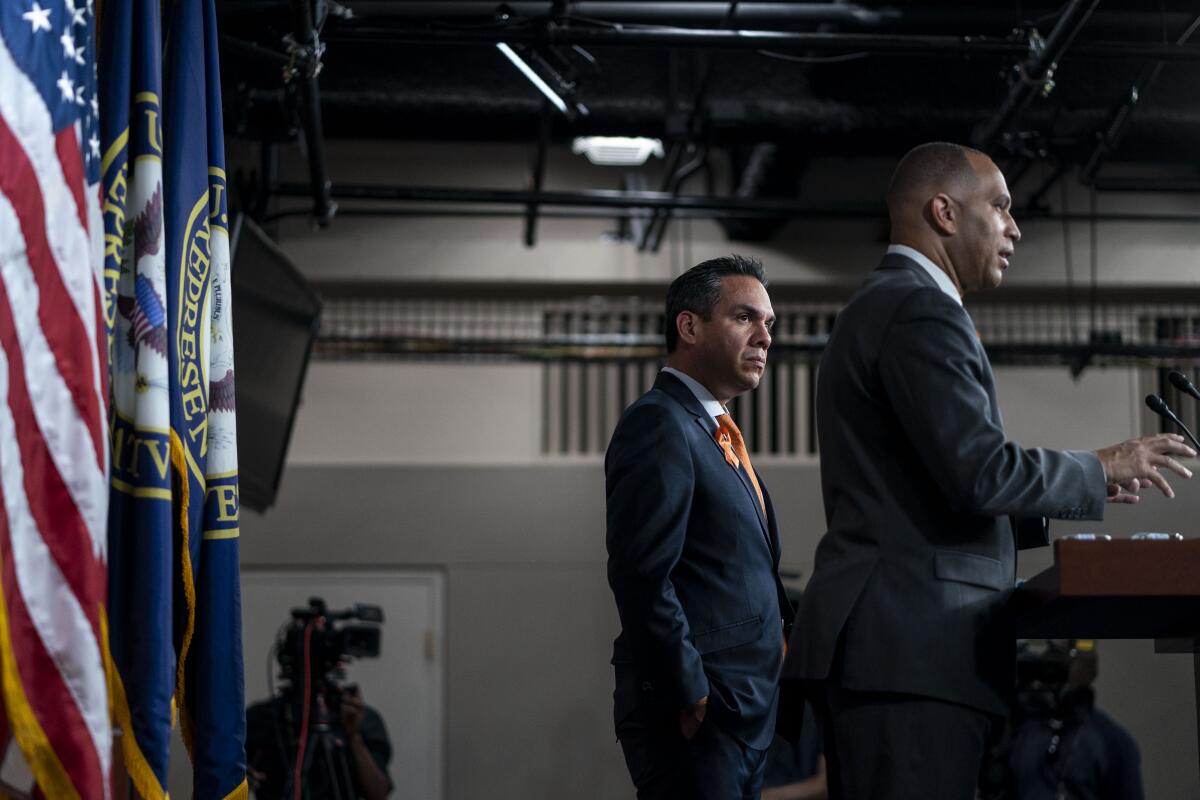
(1135,463)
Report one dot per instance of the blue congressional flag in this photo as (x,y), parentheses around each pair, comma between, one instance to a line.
(140,533)
(204,446)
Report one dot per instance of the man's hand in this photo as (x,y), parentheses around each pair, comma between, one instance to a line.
(691,717)
(1126,493)
(1135,463)
(351,712)
(370,782)
(255,777)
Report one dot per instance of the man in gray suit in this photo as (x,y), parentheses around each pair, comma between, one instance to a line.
(903,640)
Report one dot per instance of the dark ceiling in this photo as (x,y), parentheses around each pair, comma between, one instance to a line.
(1074,83)
(430,70)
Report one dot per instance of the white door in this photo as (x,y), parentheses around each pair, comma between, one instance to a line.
(405,684)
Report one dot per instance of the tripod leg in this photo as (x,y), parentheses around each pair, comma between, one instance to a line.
(314,739)
(339,780)
(348,781)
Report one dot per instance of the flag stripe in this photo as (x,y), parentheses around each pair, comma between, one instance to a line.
(49,698)
(44,307)
(48,770)
(52,412)
(66,147)
(53,568)
(60,661)
(49,245)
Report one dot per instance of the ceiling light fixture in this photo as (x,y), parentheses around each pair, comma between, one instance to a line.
(533,77)
(617,151)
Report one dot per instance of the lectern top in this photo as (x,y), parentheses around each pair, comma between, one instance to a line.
(1122,567)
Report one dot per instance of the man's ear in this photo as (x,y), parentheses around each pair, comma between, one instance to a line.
(685,326)
(943,214)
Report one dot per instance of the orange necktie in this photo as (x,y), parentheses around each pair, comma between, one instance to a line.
(730,439)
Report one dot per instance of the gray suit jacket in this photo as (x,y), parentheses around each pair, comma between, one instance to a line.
(919,480)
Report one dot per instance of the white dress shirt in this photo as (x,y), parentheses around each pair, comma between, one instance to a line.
(711,404)
(943,280)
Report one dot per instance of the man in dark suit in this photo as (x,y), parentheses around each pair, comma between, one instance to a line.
(693,552)
(903,638)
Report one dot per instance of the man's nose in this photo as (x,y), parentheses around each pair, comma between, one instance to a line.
(1013,232)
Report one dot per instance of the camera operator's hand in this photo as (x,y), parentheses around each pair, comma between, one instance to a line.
(255,777)
(370,781)
(351,712)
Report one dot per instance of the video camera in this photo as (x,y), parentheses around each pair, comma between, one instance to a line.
(319,642)
(1054,677)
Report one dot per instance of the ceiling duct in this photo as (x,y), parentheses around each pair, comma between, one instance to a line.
(766,171)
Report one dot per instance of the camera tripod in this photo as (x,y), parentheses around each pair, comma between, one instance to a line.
(325,763)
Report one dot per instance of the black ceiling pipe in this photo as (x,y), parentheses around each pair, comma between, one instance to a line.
(457,212)
(537,171)
(997,21)
(306,48)
(1109,138)
(701,12)
(877,43)
(1034,199)
(600,198)
(1149,185)
(1034,72)
(604,198)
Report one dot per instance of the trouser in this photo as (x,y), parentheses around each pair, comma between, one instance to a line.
(712,765)
(892,746)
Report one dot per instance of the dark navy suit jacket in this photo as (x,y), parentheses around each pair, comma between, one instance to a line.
(693,565)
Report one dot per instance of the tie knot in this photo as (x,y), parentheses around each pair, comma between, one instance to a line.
(730,439)
(725,424)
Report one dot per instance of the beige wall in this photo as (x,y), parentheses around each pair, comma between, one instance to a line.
(365,413)
(816,251)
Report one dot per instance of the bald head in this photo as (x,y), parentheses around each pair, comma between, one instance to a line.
(926,170)
(951,204)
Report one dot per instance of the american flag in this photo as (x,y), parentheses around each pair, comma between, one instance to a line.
(54,451)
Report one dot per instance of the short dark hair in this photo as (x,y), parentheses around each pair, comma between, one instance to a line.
(933,164)
(699,289)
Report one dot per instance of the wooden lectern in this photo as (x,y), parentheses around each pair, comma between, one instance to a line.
(1120,589)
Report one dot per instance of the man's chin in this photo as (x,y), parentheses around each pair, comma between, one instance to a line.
(750,381)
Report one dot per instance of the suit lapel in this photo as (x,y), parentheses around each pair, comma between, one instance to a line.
(709,427)
(668,383)
(772,526)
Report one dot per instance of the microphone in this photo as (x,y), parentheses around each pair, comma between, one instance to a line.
(1180,382)
(1160,407)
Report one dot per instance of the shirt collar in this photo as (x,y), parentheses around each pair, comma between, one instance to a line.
(941,278)
(710,403)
